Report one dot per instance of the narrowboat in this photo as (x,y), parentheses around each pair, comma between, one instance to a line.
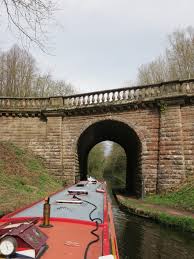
(75,223)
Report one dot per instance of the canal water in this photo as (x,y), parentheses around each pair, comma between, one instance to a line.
(142,239)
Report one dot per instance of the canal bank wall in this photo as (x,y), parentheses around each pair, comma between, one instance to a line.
(164,215)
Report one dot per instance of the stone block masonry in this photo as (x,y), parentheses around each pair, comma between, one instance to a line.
(171,170)
(154,124)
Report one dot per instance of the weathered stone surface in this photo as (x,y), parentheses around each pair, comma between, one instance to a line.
(160,120)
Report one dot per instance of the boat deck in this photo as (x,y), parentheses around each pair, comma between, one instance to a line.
(66,210)
(69,240)
(72,226)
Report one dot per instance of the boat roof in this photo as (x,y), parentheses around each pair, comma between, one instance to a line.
(72,226)
(70,210)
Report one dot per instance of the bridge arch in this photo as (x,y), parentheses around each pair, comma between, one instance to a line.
(121,133)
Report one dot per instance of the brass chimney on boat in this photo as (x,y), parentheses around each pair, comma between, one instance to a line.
(46,214)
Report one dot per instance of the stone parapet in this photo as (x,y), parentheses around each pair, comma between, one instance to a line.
(127,97)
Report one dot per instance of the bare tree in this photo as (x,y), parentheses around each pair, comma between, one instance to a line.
(19,77)
(29,17)
(153,72)
(180,54)
(17,70)
(45,86)
(176,63)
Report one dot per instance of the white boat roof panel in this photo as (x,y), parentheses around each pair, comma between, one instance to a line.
(69,210)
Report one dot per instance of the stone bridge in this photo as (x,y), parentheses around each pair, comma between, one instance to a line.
(154,124)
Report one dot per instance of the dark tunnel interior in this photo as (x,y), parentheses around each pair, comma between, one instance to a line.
(122,134)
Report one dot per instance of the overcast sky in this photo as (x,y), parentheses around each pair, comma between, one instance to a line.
(100,44)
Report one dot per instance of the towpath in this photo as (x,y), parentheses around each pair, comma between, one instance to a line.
(155,207)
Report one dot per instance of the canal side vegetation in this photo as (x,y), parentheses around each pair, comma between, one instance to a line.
(108,161)
(182,199)
(165,216)
(171,209)
(23,178)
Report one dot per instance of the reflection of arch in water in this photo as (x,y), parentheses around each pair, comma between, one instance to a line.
(118,132)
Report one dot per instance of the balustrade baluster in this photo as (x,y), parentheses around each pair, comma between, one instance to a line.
(84,102)
(65,101)
(113,96)
(132,92)
(135,94)
(72,101)
(8,103)
(158,91)
(108,97)
(38,102)
(5,103)
(120,95)
(75,101)
(125,94)
(153,93)
(27,103)
(90,99)
(86,99)
(178,88)
(116,96)
(69,102)
(147,92)
(166,90)
(98,98)
(81,100)
(93,98)
(103,98)
(188,88)
(142,93)
(78,101)
(18,103)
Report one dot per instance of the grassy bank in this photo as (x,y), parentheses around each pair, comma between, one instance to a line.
(157,214)
(172,209)
(182,199)
(23,178)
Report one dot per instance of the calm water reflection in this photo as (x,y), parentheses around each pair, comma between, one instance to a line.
(142,239)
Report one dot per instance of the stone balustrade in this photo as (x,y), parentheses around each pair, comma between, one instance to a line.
(109,97)
(132,94)
(24,103)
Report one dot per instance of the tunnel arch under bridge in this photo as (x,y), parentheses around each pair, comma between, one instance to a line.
(122,134)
